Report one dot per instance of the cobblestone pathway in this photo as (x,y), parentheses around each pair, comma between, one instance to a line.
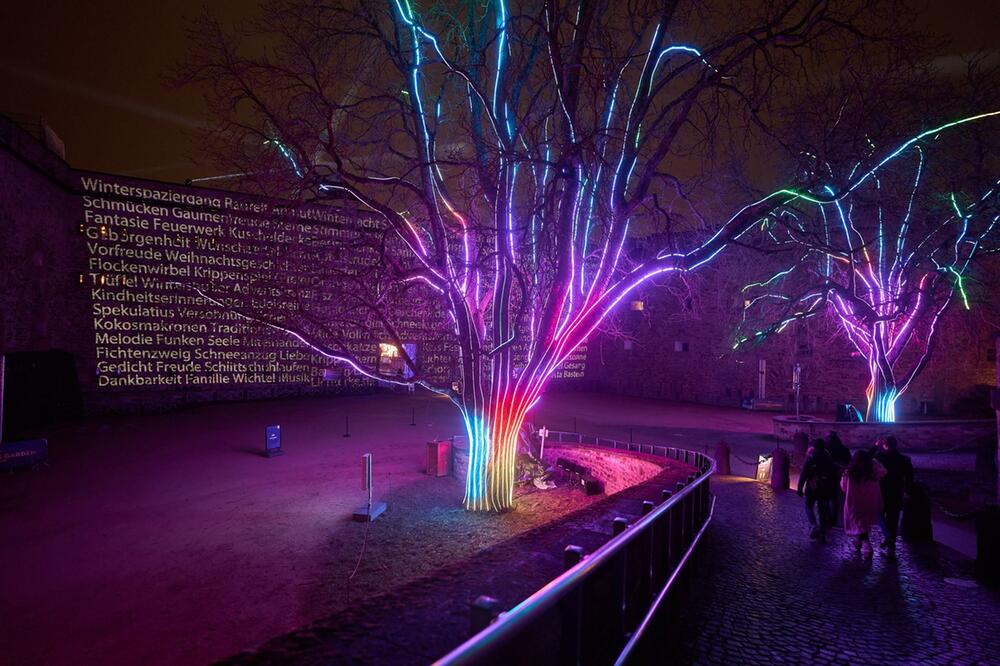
(765,594)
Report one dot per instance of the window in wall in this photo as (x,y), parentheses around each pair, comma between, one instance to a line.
(389,359)
(680,346)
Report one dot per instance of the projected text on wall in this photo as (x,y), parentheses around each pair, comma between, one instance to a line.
(149,244)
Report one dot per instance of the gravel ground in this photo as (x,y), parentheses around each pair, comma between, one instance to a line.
(419,621)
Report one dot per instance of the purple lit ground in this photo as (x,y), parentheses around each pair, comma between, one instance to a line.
(167,539)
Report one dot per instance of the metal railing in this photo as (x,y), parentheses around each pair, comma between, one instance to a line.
(602,608)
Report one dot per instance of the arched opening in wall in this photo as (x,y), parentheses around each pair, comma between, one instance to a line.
(40,388)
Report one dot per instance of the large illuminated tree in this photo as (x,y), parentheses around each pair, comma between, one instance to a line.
(508,150)
(886,260)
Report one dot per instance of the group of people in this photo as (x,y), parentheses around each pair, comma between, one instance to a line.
(864,488)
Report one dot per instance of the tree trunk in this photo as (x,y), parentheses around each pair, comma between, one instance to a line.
(882,395)
(493,435)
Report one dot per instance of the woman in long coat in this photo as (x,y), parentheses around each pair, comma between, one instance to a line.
(862,498)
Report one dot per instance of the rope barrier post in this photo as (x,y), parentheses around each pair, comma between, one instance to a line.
(722,452)
(779,470)
(988,544)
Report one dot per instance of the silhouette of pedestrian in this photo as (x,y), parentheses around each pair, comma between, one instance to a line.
(841,456)
(897,481)
(816,483)
(862,498)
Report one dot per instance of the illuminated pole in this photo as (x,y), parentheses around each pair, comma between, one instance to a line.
(797,385)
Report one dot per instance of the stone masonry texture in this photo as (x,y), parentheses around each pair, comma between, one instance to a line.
(679,347)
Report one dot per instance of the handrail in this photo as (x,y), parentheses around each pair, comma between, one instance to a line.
(633,641)
(521,616)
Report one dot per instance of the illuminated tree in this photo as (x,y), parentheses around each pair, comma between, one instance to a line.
(507,151)
(886,260)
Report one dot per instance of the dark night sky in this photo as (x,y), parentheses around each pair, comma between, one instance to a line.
(95,72)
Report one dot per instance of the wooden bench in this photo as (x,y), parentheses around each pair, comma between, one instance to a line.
(591,484)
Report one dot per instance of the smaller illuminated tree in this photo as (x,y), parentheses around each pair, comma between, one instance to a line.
(886,260)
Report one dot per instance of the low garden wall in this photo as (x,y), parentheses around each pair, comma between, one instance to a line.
(616,469)
(914,435)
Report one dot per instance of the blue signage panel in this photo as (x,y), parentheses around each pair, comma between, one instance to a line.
(272,440)
(28,453)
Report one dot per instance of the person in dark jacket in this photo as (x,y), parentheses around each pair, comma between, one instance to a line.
(897,481)
(841,456)
(816,483)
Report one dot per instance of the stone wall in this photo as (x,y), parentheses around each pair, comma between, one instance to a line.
(679,347)
(43,313)
(928,435)
(40,307)
(102,269)
(46,298)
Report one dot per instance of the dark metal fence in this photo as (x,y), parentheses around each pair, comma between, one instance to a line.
(603,608)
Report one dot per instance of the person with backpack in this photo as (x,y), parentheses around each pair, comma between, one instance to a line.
(897,481)
(816,483)
(862,498)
